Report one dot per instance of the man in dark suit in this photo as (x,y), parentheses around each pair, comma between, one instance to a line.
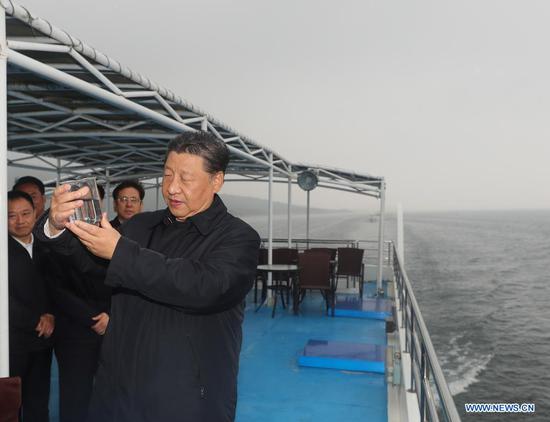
(31,323)
(127,201)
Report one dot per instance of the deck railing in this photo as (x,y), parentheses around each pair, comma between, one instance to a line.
(370,247)
(427,380)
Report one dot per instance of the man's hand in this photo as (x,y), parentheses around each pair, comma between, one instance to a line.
(45,325)
(101,325)
(101,241)
(63,205)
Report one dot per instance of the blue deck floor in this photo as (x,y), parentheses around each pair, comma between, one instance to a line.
(272,387)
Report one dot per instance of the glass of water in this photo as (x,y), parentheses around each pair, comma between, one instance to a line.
(90,212)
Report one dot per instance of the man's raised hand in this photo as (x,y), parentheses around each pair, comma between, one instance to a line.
(63,204)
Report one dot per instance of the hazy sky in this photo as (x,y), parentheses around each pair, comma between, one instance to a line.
(449,101)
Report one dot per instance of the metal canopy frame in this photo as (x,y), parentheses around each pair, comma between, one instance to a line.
(68,101)
(69,109)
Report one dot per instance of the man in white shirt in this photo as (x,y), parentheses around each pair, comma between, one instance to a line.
(31,323)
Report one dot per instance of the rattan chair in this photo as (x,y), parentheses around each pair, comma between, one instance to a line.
(331,251)
(10,399)
(314,274)
(287,256)
(262,260)
(350,265)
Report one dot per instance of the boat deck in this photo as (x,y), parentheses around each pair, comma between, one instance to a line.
(272,387)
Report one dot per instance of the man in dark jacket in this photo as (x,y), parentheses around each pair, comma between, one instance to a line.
(171,350)
(81,305)
(31,323)
(127,201)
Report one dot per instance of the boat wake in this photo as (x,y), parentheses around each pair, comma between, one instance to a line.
(462,365)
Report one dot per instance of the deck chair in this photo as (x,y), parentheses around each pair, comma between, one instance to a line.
(314,274)
(262,259)
(10,399)
(331,251)
(287,256)
(350,265)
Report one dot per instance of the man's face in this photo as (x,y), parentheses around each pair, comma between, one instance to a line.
(187,188)
(128,203)
(21,218)
(38,199)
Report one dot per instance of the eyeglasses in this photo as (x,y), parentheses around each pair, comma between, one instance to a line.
(133,200)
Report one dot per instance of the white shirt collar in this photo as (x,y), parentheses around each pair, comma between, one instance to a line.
(27,246)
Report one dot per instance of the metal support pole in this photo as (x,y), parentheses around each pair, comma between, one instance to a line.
(400,237)
(107,193)
(379,287)
(270,225)
(4,298)
(289,212)
(157,193)
(58,171)
(412,351)
(307,221)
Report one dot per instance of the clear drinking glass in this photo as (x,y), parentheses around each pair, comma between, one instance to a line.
(90,212)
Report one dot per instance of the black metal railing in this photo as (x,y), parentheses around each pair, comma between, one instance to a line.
(370,247)
(426,378)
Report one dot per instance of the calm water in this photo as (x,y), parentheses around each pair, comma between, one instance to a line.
(483,283)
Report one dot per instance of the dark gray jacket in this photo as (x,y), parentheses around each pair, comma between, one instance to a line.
(171,350)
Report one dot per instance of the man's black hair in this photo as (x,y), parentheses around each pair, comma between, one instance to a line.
(32,180)
(18,194)
(204,144)
(130,183)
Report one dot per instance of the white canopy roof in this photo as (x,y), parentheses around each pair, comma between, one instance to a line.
(79,112)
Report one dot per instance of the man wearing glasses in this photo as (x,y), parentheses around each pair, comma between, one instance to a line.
(128,201)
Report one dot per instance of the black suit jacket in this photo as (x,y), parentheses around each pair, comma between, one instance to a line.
(76,299)
(28,298)
(115,223)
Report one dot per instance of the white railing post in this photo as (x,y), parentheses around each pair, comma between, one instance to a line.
(270,224)
(4,293)
(307,221)
(289,211)
(379,287)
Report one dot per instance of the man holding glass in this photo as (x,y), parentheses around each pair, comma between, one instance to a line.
(171,350)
